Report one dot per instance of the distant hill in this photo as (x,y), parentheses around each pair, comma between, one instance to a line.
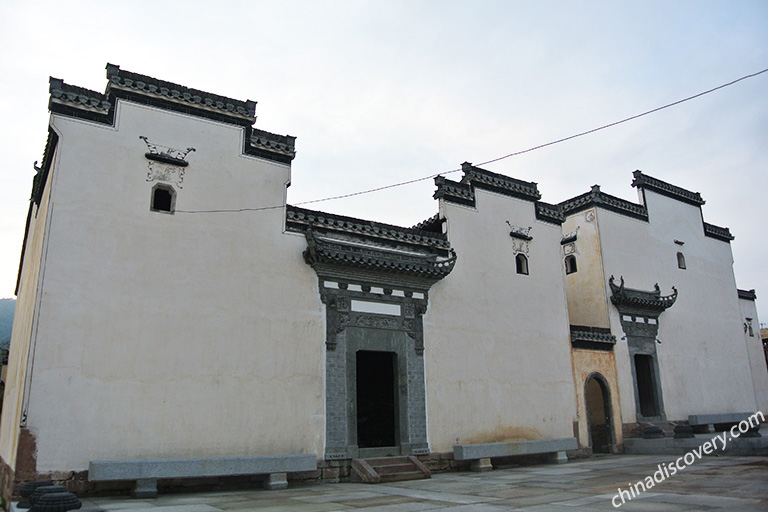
(6,321)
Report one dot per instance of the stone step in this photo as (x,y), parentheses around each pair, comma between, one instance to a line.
(394,468)
(402,476)
(388,469)
(387,461)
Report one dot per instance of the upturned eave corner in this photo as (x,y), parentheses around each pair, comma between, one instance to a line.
(642,302)
(327,251)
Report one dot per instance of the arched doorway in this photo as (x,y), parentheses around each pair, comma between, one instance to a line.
(598,402)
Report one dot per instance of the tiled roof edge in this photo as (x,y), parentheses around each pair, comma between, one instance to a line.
(78,102)
(432,224)
(602,200)
(453,191)
(299,219)
(493,182)
(551,213)
(178,97)
(747,294)
(643,181)
(718,233)
(74,101)
(281,148)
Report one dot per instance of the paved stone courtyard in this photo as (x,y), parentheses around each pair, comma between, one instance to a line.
(714,483)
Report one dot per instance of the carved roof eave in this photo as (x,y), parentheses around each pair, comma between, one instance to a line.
(300,220)
(648,303)
(326,252)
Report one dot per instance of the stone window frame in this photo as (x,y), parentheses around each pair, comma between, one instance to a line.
(167,188)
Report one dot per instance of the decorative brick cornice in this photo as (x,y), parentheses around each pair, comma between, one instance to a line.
(747,294)
(596,198)
(549,213)
(300,219)
(454,192)
(718,233)
(78,102)
(463,192)
(270,145)
(592,338)
(491,181)
(640,302)
(130,85)
(643,181)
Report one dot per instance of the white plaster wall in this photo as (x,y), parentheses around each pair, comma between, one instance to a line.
(497,355)
(23,331)
(702,357)
(172,335)
(755,353)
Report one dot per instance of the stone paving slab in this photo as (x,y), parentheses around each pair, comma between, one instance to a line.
(733,484)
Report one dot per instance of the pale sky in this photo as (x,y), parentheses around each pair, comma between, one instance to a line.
(386,91)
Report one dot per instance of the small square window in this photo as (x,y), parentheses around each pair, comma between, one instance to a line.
(163,199)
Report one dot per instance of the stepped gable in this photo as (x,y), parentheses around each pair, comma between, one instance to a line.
(596,197)
(74,101)
(463,192)
(643,181)
(718,233)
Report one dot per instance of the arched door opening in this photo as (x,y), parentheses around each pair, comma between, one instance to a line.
(598,401)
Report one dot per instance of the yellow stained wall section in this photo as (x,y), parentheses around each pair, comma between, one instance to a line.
(585,363)
(24,328)
(587,299)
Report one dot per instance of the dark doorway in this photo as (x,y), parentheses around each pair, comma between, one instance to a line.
(599,414)
(376,399)
(645,387)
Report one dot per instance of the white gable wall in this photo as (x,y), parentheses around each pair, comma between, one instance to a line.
(702,355)
(156,337)
(497,352)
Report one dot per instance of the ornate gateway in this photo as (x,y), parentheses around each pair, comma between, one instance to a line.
(374,280)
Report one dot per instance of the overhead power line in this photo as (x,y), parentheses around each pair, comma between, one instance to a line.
(517,153)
